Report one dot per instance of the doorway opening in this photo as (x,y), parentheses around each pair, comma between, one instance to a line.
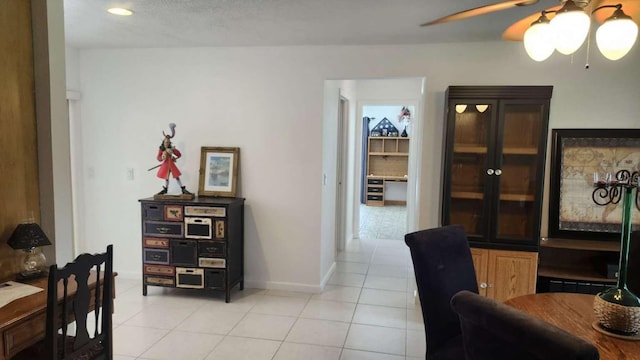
(399,211)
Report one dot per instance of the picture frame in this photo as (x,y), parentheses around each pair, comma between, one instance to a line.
(578,158)
(218,171)
(173,213)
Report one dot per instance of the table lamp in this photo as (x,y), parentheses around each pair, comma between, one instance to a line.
(27,237)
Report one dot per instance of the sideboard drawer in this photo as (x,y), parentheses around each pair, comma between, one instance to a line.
(159,270)
(159,281)
(211,249)
(152,212)
(184,252)
(156,243)
(214,279)
(156,256)
(375,181)
(190,278)
(164,228)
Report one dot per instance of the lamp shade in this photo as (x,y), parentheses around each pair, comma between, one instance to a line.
(27,236)
(616,36)
(570,27)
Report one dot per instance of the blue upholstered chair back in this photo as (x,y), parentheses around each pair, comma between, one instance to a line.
(495,331)
(443,266)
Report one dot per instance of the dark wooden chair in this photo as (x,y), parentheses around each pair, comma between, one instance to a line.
(76,302)
(495,331)
(443,266)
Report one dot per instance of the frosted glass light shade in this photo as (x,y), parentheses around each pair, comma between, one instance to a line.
(570,29)
(615,37)
(538,41)
(460,108)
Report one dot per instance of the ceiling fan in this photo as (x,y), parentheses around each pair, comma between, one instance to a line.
(542,34)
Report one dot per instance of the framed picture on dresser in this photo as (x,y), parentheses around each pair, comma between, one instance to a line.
(580,158)
(218,171)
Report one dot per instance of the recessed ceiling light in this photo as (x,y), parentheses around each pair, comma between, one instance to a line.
(120,11)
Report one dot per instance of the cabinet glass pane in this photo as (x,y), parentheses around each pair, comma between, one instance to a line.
(519,164)
(468,213)
(469,163)
(472,127)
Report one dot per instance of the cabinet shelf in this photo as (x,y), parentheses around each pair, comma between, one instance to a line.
(467,195)
(519,151)
(388,154)
(470,149)
(517,197)
(581,274)
(480,196)
(474,149)
(594,245)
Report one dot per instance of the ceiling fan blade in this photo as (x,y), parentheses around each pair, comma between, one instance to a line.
(481,10)
(515,32)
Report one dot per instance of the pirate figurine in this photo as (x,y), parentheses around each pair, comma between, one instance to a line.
(168,155)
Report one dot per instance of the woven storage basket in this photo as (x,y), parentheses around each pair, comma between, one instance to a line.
(617,317)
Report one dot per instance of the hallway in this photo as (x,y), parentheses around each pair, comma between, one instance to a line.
(383,222)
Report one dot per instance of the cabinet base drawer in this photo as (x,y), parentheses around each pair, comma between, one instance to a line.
(159,270)
(159,281)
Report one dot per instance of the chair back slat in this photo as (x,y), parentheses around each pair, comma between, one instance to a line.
(77,301)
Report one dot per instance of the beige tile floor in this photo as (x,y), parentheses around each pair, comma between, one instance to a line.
(383,222)
(367,311)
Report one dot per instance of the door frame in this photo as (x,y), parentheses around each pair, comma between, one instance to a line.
(415,160)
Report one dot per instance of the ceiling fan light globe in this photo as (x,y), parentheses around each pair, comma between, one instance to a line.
(538,41)
(616,37)
(570,29)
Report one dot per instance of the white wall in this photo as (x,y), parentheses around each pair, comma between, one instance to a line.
(269,102)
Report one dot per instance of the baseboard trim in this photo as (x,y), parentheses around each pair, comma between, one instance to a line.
(288,286)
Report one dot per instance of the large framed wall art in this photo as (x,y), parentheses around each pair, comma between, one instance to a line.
(581,158)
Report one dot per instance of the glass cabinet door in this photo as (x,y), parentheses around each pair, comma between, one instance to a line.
(471,151)
(518,168)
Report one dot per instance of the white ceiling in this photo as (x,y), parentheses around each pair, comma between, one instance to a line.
(193,23)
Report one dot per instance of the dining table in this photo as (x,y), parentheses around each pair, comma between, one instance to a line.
(574,313)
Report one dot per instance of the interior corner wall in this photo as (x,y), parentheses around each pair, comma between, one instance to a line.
(53,127)
(269,102)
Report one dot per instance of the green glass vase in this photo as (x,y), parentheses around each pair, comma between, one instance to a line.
(617,309)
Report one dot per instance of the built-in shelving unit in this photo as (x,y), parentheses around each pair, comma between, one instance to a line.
(577,260)
(387,161)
